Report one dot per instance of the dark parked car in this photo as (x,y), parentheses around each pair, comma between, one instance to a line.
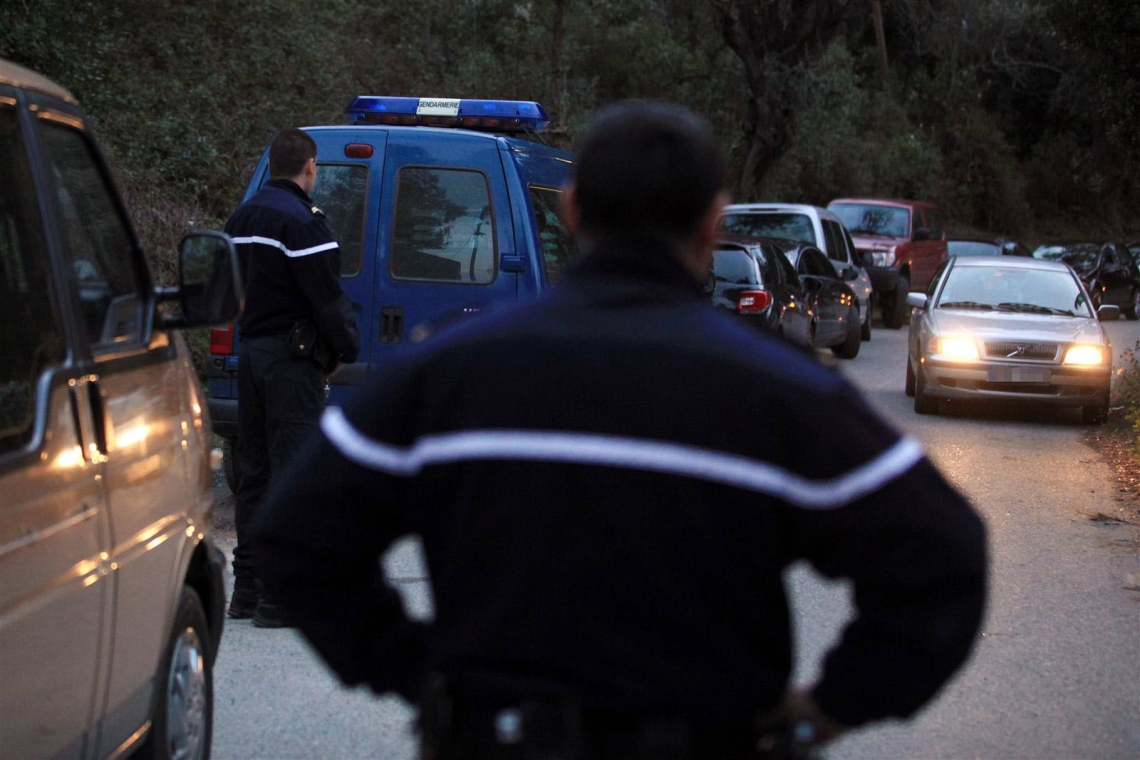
(1134,251)
(753,278)
(831,303)
(1012,330)
(986,246)
(1107,270)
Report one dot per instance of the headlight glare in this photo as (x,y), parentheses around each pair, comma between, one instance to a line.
(957,349)
(1084,356)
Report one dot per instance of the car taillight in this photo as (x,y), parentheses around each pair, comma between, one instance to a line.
(222,340)
(752,301)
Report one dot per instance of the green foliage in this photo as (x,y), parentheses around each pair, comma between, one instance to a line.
(1013,115)
(853,141)
(1126,391)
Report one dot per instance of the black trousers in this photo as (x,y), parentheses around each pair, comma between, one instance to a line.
(280,400)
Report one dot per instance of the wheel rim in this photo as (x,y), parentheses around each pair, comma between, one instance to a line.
(187,699)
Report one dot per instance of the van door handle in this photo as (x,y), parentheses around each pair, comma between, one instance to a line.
(391,324)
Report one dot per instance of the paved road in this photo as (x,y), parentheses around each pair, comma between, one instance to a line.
(1055,675)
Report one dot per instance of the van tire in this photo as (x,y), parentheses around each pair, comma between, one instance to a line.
(894,307)
(182,716)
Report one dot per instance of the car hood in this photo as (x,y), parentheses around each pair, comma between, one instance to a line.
(1037,328)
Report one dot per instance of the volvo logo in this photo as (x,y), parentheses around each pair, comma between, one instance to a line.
(1019,351)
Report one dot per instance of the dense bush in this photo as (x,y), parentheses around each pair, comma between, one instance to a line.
(1012,115)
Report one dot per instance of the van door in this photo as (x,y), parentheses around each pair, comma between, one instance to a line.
(54,532)
(348,192)
(137,385)
(444,219)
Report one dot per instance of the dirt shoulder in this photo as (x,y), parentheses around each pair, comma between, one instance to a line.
(1117,444)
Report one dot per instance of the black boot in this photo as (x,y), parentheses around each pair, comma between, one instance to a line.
(244,602)
(269,614)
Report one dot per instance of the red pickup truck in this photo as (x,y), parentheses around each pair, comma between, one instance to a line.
(902,244)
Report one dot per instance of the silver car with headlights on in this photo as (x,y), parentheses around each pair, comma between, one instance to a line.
(1012,330)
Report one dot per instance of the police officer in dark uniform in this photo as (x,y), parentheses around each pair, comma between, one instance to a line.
(608,484)
(296,329)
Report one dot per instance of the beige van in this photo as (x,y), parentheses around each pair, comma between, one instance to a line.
(111,597)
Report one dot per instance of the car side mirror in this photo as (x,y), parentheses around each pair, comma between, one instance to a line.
(209,288)
(1108,312)
(916,300)
(850,274)
(922,233)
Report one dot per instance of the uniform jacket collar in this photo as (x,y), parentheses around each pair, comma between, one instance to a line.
(636,261)
(292,187)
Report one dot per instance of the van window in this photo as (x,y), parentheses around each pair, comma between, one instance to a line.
(783,225)
(33,340)
(557,246)
(339,193)
(98,244)
(444,230)
(833,233)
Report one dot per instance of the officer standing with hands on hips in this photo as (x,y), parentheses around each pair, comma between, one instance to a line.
(609,483)
(296,329)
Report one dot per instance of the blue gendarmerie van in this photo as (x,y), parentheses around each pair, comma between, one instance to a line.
(441,207)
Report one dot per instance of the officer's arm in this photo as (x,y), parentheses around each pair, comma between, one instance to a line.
(915,551)
(320,536)
(319,277)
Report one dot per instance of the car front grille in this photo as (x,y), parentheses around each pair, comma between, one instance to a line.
(1032,351)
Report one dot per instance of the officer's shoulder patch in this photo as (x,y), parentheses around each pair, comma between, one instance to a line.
(317,212)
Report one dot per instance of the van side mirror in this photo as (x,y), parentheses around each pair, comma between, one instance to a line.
(922,233)
(209,288)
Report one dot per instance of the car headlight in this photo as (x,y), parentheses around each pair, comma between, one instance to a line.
(1084,356)
(955,349)
(881,258)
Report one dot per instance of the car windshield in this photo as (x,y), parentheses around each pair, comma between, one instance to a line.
(868,219)
(786,225)
(1063,252)
(1031,291)
(972,248)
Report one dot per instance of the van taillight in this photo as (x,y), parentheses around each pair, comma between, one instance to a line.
(222,340)
(752,301)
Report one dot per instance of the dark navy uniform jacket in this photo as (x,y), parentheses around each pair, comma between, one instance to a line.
(290,267)
(609,483)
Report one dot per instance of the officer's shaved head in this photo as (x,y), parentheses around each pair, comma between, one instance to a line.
(290,149)
(647,167)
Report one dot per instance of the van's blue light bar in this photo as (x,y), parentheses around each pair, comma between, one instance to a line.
(489,115)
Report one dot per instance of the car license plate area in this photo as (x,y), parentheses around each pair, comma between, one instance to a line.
(1033,375)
